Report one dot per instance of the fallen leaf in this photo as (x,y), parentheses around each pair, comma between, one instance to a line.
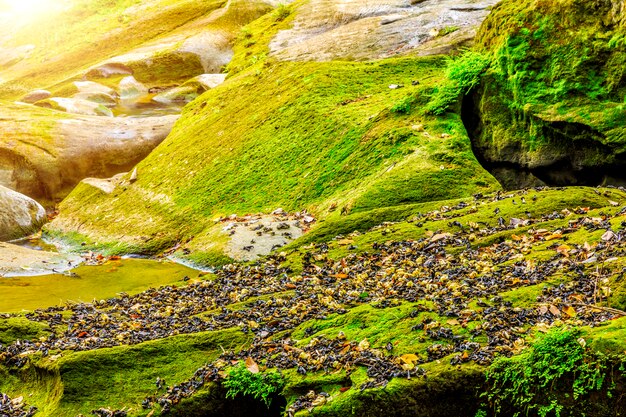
(408,358)
(440,236)
(555,311)
(251,365)
(408,366)
(570,311)
(555,235)
(608,236)
(364,345)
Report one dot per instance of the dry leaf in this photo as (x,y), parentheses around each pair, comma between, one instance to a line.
(570,311)
(440,236)
(408,358)
(364,345)
(251,365)
(555,235)
(555,311)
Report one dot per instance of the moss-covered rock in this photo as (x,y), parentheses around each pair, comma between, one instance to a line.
(551,106)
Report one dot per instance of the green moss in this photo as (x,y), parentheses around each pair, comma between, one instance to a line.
(556,80)
(167,67)
(19,328)
(116,377)
(252,45)
(316,140)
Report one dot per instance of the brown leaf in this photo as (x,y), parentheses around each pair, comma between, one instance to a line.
(364,345)
(555,311)
(563,250)
(440,236)
(251,365)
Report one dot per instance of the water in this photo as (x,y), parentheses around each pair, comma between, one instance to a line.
(86,283)
(145,107)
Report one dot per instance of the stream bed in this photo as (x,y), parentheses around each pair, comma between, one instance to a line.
(86,283)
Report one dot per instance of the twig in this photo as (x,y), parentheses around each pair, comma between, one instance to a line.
(607,309)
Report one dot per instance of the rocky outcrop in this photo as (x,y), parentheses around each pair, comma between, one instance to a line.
(19,215)
(547,113)
(44,153)
(361,30)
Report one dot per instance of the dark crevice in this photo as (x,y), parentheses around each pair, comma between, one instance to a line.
(213,403)
(573,153)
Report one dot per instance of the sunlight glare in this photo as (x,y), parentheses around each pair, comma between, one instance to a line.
(23,8)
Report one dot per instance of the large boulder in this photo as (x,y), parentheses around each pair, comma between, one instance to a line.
(203,46)
(76,106)
(190,89)
(370,29)
(44,153)
(550,110)
(19,215)
(36,95)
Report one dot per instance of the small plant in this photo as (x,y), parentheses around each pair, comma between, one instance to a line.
(549,378)
(462,74)
(403,106)
(282,12)
(261,385)
(448,30)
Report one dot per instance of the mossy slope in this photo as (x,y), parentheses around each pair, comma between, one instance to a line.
(123,376)
(313,136)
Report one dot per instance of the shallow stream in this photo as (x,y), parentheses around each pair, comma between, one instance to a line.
(86,283)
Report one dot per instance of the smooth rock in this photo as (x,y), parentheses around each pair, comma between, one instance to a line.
(45,154)
(36,95)
(19,215)
(209,81)
(94,88)
(100,98)
(324,30)
(130,88)
(108,70)
(76,106)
